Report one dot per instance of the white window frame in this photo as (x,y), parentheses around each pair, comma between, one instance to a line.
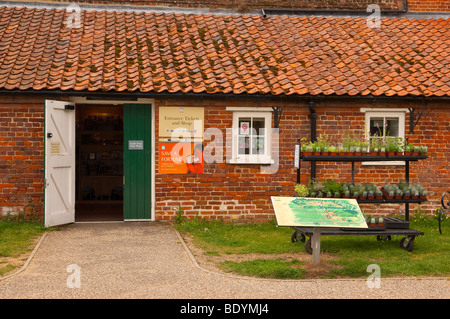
(265,158)
(385,112)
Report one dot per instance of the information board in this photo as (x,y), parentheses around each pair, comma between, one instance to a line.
(318,212)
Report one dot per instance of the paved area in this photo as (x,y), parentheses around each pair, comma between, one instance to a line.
(149,260)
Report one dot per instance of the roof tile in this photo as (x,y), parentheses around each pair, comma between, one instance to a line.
(166,52)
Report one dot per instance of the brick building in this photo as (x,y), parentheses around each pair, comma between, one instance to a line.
(89,104)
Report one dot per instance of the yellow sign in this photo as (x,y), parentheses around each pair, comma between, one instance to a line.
(181,123)
(55,148)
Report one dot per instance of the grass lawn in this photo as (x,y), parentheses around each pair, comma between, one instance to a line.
(273,255)
(17,240)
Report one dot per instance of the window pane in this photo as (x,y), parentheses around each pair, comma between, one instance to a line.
(392,126)
(376,126)
(258,126)
(243,145)
(258,145)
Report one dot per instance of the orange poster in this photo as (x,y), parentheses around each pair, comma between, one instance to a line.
(180,158)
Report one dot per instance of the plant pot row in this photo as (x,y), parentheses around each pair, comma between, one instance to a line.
(379,197)
(381,154)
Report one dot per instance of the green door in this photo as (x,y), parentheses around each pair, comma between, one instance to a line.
(137,130)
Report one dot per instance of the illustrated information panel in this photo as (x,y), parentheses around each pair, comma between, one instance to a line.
(318,212)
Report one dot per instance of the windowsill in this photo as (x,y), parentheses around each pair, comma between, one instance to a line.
(251,161)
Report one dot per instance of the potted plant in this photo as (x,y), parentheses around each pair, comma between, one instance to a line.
(423,150)
(372,222)
(380,222)
(408,149)
(363,195)
(414,193)
(370,195)
(307,149)
(423,193)
(378,194)
(322,143)
(373,149)
(316,150)
(347,194)
(391,146)
(341,151)
(332,150)
(415,151)
(398,194)
(337,194)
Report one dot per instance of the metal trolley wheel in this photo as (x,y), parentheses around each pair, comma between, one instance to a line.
(407,243)
(297,236)
(445,209)
(383,237)
(308,246)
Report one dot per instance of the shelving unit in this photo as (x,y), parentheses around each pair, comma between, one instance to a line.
(406,243)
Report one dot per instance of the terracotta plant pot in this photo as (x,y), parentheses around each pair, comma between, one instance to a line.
(307,153)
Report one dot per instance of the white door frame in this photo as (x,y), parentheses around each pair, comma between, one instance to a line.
(84,100)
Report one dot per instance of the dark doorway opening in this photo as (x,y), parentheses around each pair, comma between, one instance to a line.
(99,163)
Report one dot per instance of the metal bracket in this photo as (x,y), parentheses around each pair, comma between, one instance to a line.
(277,112)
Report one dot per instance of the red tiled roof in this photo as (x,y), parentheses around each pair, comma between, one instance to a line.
(187,53)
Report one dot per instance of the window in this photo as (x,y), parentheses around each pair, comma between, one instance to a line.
(251,137)
(381,123)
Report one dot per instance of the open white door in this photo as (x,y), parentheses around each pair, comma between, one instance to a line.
(59,163)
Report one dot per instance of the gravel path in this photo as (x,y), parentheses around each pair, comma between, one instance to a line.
(150,260)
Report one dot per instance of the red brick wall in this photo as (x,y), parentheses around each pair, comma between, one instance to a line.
(229,191)
(232,191)
(21,155)
(429,5)
(248,5)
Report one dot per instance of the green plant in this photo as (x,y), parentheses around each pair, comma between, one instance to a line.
(301,190)
(179,216)
(331,186)
(322,142)
(423,150)
(393,143)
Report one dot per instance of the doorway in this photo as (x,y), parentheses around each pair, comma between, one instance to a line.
(99,163)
